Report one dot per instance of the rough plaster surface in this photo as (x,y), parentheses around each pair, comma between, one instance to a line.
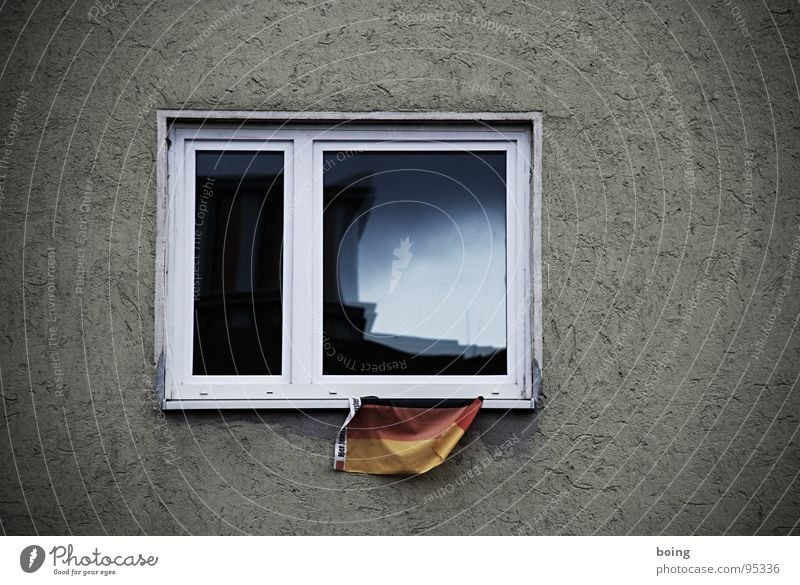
(671,358)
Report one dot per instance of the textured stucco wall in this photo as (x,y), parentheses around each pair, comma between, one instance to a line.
(670,215)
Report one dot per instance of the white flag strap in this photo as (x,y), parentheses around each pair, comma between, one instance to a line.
(340,448)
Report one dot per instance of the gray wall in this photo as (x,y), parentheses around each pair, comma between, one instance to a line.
(670,215)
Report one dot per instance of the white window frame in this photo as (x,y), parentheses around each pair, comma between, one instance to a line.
(302,137)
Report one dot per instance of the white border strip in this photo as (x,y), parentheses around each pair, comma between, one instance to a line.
(312,404)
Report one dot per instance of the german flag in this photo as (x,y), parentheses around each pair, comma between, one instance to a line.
(384,436)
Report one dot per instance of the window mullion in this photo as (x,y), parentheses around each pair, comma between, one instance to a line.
(302,220)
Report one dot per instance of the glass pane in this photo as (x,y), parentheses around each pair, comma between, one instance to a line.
(238,251)
(414,273)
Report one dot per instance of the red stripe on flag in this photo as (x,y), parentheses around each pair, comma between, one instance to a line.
(374,421)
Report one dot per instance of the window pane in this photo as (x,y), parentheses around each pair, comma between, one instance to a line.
(414,253)
(238,252)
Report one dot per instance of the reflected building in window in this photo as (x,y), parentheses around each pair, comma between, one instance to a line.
(414,263)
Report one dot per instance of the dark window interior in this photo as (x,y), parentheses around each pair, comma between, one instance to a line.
(238,252)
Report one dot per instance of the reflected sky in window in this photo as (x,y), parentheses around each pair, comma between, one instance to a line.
(414,254)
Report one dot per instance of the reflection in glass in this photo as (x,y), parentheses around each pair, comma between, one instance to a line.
(237,263)
(414,263)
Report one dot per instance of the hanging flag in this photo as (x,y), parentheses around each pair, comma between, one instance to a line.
(385,436)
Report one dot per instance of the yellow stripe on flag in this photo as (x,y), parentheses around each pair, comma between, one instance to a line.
(388,456)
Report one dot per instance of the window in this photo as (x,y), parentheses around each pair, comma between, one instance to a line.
(306,258)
